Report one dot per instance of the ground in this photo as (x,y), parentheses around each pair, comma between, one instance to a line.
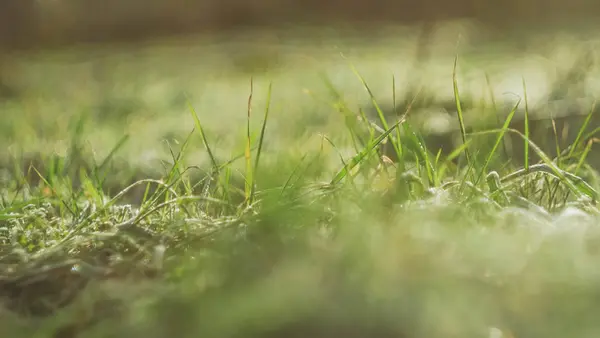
(226,188)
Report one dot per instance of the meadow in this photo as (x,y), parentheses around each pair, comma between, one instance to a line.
(269,185)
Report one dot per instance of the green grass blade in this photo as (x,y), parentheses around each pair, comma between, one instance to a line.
(583,156)
(213,160)
(499,139)
(261,139)
(581,131)
(395,142)
(361,155)
(249,178)
(461,121)
(345,165)
(395,107)
(526,143)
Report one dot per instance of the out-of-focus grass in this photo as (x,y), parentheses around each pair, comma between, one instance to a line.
(144,88)
(286,223)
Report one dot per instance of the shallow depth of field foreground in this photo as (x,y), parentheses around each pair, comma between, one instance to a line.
(321,188)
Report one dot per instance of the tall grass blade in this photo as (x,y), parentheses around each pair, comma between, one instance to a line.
(526,143)
(499,139)
(583,156)
(261,139)
(461,121)
(395,143)
(213,160)
(249,174)
(581,131)
(395,107)
(495,110)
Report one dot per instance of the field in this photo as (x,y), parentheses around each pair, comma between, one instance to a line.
(266,185)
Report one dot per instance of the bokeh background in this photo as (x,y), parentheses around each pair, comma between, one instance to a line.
(33,23)
(96,71)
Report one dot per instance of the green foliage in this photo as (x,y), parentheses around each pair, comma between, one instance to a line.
(335,238)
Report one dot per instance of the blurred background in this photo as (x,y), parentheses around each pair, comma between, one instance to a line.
(104,69)
(35,23)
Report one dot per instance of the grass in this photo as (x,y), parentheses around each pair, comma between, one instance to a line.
(274,225)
